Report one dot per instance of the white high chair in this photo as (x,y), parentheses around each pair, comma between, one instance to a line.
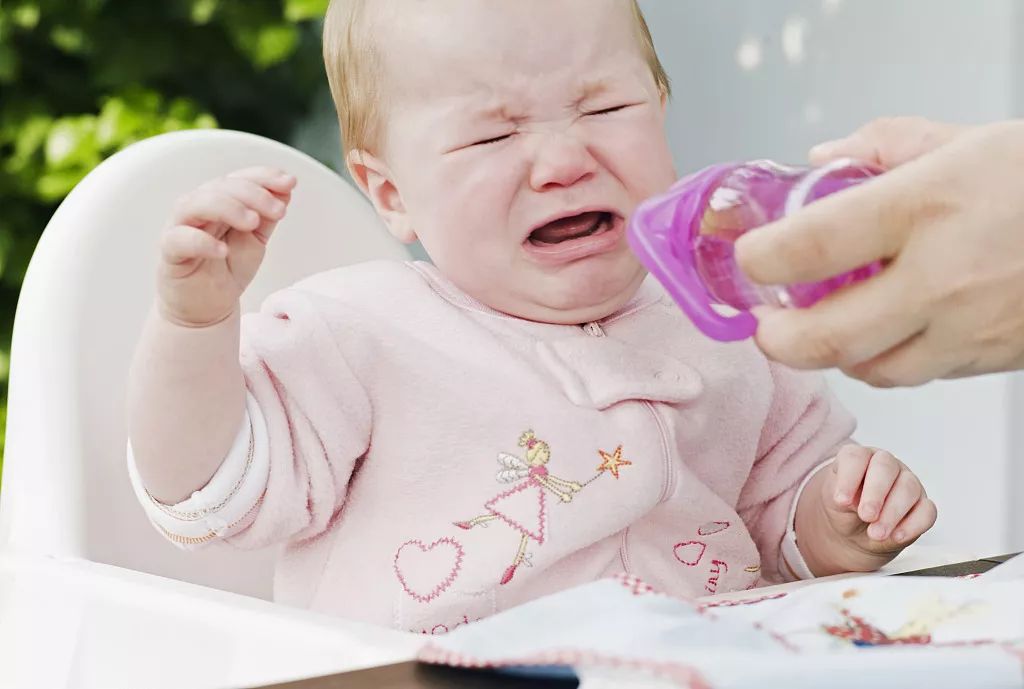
(65,491)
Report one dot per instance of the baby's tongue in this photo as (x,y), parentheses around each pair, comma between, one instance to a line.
(567,228)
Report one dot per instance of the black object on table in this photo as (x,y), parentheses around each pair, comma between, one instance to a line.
(960,568)
(421,676)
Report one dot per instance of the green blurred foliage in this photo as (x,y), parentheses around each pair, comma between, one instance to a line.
(82,79)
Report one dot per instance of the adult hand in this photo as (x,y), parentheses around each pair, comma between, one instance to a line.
(948,221)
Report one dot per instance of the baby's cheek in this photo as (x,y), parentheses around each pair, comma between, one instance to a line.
(644,165)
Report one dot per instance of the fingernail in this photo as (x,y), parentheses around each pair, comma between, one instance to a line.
(252,218)
(869,511)
(277,208)
(222,250)
(842,498)
(900,536)
(877,532)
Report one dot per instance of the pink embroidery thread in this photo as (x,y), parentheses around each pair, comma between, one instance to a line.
(439,629)
(718,568)
(443,585)
(635,584)
(689,553)
(530,473)
(542,511)
(743,601)
(712,528)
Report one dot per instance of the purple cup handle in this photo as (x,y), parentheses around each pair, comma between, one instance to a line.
(652,234)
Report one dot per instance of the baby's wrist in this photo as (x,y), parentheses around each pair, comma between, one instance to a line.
(844,554)
(174,317)
(825,548)
(821,546)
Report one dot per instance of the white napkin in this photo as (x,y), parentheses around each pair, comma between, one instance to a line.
(872,632)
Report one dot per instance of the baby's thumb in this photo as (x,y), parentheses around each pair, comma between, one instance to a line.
(183,243)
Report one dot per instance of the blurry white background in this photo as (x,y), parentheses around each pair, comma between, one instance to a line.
(760,79)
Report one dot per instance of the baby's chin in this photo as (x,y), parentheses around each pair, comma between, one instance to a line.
(571,300)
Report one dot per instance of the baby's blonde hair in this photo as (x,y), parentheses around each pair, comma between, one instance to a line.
(354,70)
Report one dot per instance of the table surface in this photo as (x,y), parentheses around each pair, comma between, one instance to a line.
(412,675)
(73,624)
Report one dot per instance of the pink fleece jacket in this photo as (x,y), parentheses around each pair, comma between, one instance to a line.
(427,461)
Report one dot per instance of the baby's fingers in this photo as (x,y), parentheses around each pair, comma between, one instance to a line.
(274,179)
(920,519)
(850,465)
(205,205)
(256,197)
(905,494)
(183,243)
(881,475)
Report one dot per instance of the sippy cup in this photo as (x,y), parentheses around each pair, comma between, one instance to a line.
(685,237)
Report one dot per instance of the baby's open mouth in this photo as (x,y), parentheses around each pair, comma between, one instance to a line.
(573,227)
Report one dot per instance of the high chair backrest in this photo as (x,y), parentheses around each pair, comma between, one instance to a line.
(65,491)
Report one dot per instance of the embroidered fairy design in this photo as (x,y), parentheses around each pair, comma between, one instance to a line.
(860,632)
(524,506)
(917,630)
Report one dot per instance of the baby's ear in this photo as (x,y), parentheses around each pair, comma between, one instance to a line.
(373,176)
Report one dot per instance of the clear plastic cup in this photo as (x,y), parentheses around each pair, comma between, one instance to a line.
(686,237)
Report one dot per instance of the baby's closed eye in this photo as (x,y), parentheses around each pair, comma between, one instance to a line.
(492,140)
(610,110)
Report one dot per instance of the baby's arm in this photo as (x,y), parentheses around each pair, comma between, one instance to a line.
(804,461)
(805,426)
(186,389)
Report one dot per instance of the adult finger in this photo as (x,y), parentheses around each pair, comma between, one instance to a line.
(888,142)
(846,328)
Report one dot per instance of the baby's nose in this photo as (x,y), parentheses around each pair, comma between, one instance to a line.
(561,160)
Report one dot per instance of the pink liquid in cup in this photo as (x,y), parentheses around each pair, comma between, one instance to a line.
(686,237)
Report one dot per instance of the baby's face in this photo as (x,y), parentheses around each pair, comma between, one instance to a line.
(520,135)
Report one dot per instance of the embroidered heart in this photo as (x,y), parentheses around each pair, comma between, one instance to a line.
(712,528)
(689,552)
(427,571)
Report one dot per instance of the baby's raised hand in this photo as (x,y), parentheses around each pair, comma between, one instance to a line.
(215,242)
(875,503)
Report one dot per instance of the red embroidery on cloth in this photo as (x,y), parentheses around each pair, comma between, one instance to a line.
(523,508)
(636,585)
(426,585)
(689,553)
(712,528)
(537,531)
(742,601)
(859,632)
(439,629)
(718,568)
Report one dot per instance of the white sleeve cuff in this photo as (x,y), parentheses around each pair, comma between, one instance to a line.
(226,504)
(791,554)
